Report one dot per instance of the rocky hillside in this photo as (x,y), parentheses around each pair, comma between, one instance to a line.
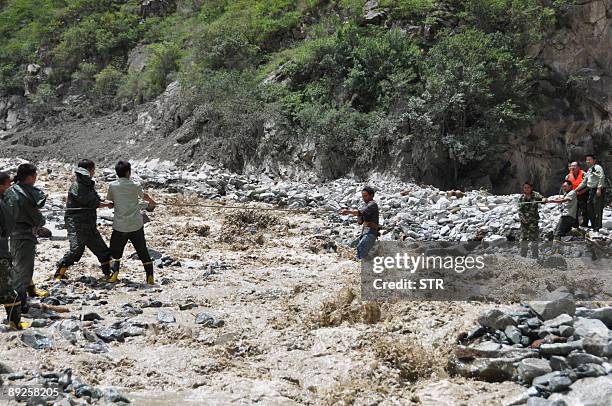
(462,94)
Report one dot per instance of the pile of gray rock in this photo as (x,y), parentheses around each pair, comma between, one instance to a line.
(561,352)
(62,388)
(408,211)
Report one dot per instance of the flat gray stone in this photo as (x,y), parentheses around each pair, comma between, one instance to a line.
(544,380)
(586,327)
(566,331)
(538,402)
(560,348)
(579,358)
(496,319)
(588,392)
(559,384)
(560,303)
(164,316)
(513,334)
(560,320)
(558,363)
(531,368)
(604,314)
(597,345)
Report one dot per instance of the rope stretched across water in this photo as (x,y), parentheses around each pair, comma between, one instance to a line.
(281,209)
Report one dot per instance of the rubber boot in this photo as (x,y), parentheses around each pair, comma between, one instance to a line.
(13,314)
(33,291)
(148,266)
(114,276)
(106,269)
(60,273)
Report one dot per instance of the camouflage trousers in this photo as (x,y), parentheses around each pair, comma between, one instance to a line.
(530,233)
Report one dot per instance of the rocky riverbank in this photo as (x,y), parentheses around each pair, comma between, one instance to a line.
(262,306)
(559,351)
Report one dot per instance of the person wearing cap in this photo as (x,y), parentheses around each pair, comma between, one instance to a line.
(368,218)
(593,182)
(81,221)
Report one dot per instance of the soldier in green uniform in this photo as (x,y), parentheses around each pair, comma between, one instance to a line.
(81,221)
(9,298)
(529,214)
(25,200)
(594,181)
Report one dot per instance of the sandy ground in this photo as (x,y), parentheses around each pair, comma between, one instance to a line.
(295,330)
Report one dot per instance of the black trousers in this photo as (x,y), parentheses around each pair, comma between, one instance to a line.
(564,226)
(79,240)
(119,240)
(582,217)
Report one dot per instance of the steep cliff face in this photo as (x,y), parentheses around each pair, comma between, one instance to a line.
(578,102)
(575,119)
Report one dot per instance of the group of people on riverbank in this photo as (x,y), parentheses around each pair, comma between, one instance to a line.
(582,203)
(21,202)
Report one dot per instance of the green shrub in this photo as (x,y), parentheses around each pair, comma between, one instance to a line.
(358,66)
(162,61)
(476,90)
(85,76)
(43,101)
(108,82)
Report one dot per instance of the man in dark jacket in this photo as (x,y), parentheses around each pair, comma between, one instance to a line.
(9,298)
(81,221)
(368,218)
(25,200)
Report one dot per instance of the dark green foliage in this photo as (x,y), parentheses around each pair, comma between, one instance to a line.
(314,68)
(475,90)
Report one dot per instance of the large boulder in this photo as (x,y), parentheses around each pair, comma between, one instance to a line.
(604,314)
(496,319)
(560,303)
(588,327)
(588,392)
(531,368)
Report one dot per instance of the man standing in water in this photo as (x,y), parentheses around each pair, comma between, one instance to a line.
(368,217)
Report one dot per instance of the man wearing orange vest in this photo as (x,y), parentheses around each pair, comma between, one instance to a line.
(575,176)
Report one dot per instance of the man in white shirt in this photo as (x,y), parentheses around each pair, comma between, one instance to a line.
(128,224)
(569,210)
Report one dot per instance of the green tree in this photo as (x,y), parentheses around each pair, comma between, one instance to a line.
(476,90)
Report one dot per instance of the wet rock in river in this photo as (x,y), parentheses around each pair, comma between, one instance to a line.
(36,340)
(165,316)
(207,320)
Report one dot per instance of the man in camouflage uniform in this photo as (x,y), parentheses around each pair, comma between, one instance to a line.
(9,297)
(529,214)
(81,221)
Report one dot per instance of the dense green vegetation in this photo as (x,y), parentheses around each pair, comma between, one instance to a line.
(451,75)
